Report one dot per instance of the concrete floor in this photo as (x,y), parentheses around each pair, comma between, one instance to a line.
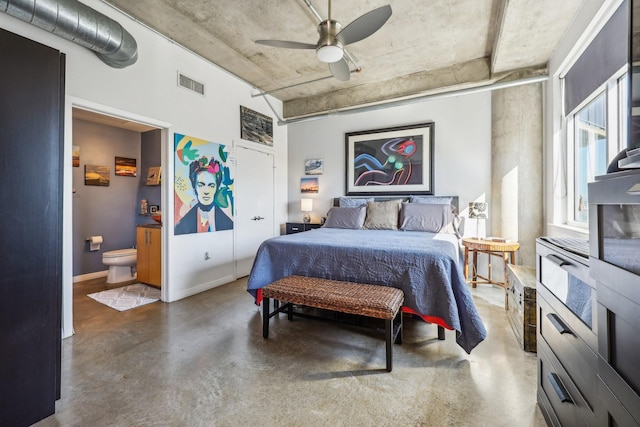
(202,361)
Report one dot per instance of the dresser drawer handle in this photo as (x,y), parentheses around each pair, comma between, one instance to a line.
(559,388)
(558,324)
(557,260)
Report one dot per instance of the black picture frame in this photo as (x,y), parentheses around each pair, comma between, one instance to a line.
(256,127)
(396,160)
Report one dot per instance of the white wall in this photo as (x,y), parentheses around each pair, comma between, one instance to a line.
(586,25)
(462,150)
(147,91)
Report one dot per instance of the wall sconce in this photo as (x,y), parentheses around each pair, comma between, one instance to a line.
(306,206)
(478,210)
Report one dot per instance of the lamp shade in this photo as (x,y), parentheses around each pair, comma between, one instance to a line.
(306,205)
(478,210)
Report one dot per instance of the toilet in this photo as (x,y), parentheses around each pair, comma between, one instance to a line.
(121,263)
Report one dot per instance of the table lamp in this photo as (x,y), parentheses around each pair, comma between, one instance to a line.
(306,206)
(478,210)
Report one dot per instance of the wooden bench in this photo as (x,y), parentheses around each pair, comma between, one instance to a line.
(380,302)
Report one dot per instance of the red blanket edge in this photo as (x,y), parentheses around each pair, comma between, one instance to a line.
(429,319)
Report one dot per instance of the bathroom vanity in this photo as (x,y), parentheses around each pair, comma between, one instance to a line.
(149,264)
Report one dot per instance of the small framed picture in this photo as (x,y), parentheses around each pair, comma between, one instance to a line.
(153,209)
(126,167)
(309,185)
(153,177)
(313,167)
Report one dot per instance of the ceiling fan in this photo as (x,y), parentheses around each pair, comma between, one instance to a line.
(333,37)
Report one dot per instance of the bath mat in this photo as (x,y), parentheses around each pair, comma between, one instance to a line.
(127,297)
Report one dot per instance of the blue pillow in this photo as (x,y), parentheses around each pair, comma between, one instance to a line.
(429,217)
(353,202)
(433,200)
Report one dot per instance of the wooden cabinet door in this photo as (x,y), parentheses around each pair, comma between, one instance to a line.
(155,256)
(149,263)
(142,263)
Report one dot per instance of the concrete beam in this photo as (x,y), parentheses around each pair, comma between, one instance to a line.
(461,76)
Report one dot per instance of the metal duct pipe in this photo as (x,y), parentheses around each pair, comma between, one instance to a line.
(80,24)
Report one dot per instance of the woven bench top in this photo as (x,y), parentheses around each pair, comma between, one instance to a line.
(380,302)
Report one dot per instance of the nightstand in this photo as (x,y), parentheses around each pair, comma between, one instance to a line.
(298,227)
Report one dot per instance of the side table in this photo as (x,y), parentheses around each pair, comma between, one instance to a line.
(506,251)
(298,227)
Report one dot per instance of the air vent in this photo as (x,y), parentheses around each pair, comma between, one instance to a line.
(189,83)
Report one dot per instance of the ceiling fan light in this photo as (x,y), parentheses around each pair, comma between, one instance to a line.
(329,53)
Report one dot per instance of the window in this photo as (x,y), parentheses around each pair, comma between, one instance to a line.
(596,133)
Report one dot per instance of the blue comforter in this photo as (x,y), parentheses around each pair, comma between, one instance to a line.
(424,265)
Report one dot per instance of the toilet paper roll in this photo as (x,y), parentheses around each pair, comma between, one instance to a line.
(94,243)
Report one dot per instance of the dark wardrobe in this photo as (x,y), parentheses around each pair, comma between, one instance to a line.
(31,169)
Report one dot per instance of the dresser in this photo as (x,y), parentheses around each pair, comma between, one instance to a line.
(614,228)
(567,340)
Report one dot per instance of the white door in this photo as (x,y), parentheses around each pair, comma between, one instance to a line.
(254,204)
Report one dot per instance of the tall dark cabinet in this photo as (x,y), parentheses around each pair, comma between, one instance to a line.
(31,140)
(614,255)
(614,216)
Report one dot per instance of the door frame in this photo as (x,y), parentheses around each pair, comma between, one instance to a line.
(242,144)
(67,203)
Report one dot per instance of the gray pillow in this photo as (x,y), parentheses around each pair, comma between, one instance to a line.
(429,217)
(382,215)
(353,202)
(351,218)
(433,200)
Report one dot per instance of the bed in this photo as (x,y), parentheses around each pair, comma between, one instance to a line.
(420,255)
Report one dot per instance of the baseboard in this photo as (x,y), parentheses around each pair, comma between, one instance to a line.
(90,276)
(184,293)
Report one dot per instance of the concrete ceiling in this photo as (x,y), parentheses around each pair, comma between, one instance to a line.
(425,47)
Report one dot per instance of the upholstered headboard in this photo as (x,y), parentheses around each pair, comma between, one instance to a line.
(454,199)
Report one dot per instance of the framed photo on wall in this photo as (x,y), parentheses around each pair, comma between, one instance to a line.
(256,127)
(154,175)
(97,175)
(396,160)
(313,167)
(126,167)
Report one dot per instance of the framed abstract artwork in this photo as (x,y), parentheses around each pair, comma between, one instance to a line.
(396,160)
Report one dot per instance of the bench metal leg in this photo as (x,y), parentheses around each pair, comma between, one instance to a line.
(399,336)
(389,338)
(265,317)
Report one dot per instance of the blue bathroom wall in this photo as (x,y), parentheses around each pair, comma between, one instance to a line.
(109,211)
(150,157)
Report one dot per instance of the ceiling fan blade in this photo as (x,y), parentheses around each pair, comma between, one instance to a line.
(286,44)
(340,70)
(365,25)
